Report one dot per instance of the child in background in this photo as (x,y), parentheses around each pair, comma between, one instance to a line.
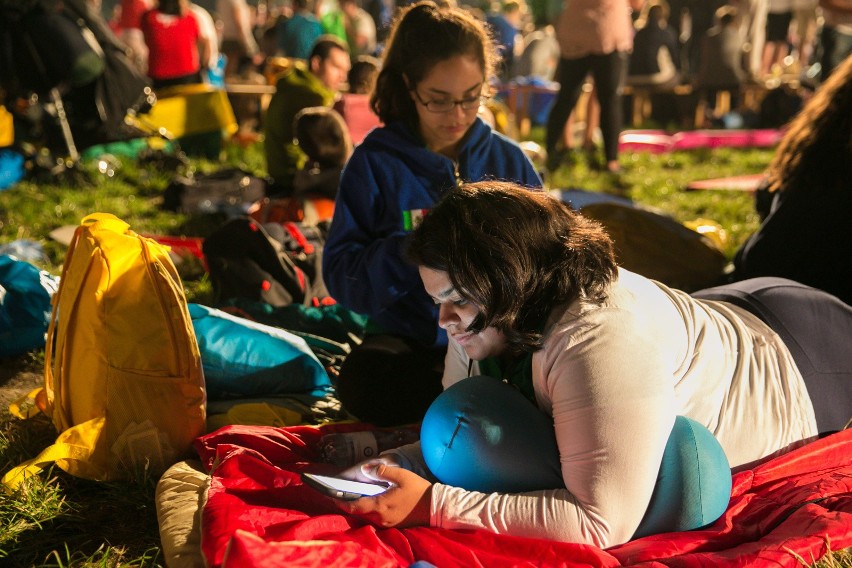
(321,134)
(354,105)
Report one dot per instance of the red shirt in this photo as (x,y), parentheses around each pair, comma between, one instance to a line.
(131,13)
(171,40)
(357,114)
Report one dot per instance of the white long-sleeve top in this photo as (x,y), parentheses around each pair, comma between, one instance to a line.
(613,377)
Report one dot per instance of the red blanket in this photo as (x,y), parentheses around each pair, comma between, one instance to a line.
(258,513)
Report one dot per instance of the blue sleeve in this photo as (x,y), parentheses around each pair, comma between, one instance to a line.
(363,263)
(517,167)
(530,174)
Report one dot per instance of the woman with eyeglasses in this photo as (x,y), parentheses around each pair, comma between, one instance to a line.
(434,76)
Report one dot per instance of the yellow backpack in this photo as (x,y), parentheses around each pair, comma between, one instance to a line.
(123,379)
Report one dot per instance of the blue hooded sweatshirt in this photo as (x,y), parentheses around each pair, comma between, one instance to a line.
(389,183)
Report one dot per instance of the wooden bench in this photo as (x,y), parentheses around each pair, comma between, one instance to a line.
(249,89)
(642,106)
(273,68)
(751,95)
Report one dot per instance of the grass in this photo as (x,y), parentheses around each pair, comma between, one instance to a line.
(62,521)
(659,180)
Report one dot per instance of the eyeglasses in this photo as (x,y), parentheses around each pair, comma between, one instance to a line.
(443,106)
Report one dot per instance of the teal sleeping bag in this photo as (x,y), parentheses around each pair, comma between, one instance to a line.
(25,295)
(242,358)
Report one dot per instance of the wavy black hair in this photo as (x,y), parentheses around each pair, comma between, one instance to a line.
(516,253)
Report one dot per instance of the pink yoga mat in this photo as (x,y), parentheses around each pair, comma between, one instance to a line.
(658,141)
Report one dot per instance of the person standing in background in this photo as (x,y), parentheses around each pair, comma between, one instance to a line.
(804,32)
(238,43)
(297,34)
(751,19)
(172,36)
(701,19)
(594,36)
(777,43)
(382,12)
(130,30)
(208,43)
(360,28)
(505,24)
(836,35)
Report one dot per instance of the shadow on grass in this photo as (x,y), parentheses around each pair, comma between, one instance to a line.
(56,519)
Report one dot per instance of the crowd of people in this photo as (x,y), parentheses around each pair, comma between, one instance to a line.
(774,35)
(713,46)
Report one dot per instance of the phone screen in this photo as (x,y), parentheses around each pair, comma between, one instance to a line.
(342,488)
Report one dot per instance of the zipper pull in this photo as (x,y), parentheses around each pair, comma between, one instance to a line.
(459,180)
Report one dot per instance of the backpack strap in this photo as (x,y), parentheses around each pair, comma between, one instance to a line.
(75,444)
(39,398)
(49,379)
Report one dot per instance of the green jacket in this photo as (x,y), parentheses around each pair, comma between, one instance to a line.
(297,89)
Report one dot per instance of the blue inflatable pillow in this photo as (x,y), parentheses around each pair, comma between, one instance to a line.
(481,434)
(476,435)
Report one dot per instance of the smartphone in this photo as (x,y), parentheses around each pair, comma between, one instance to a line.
(342,488)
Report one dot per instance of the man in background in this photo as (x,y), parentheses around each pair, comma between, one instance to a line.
(302,85)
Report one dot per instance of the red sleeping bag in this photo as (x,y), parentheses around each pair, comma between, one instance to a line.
(258,513)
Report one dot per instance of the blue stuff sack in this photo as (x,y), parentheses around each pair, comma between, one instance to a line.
(11,168)
(25,295)
(242,358)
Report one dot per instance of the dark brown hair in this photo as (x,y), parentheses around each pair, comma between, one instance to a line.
(362,74)
(421,36)
(324,45)
(816,150)
(516,253)
(322,134)
(171,7)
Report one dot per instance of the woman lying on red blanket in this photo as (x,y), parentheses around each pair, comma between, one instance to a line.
(619,381)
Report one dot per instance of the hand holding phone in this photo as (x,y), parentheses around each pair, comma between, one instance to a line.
(345,489)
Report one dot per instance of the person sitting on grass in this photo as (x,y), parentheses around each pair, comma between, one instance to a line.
(807,203)
(322,135)
(354,104)
(434,78)
(613,375)
(315,83)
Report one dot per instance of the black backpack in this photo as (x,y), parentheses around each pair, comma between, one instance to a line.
(245,261)
(230,191)
(45,44)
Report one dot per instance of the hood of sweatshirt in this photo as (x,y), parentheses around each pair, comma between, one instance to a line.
(402,141)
